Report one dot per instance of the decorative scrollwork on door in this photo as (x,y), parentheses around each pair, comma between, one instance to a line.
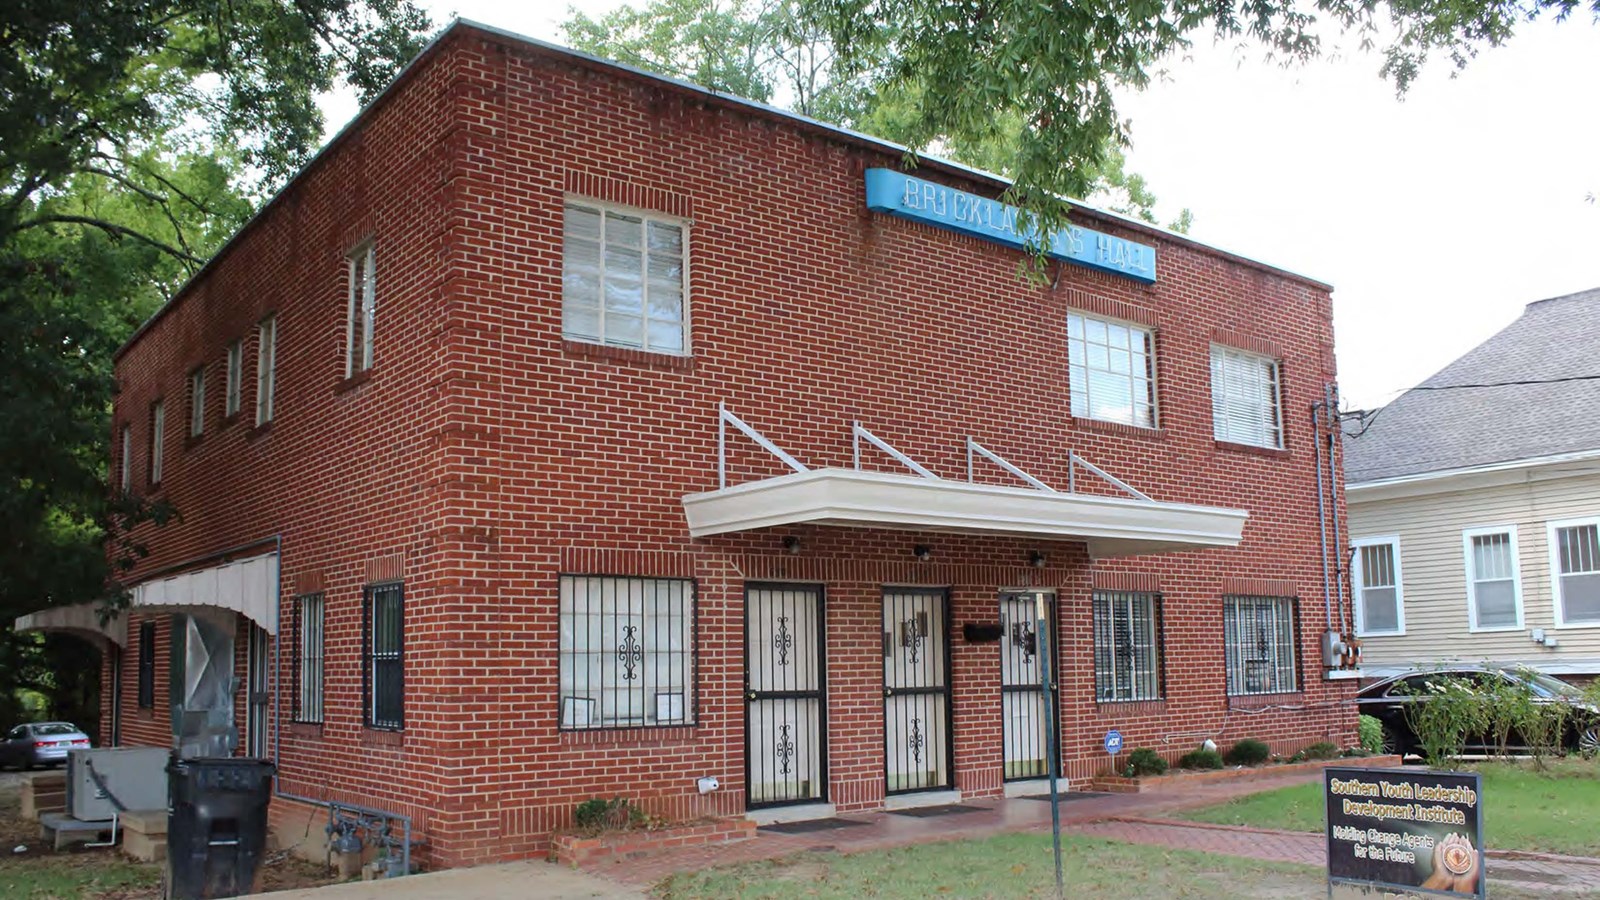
(783,641)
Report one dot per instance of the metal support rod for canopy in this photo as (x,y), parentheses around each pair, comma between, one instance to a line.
(1074,460)
(857,433)
(724,419)
(973,445)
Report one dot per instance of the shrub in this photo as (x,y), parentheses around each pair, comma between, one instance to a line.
(1201,759)
(1144,761)
(1371,732)
(600,814)
(1544,726)
(1320,750)
(1450,711)
(1507,706)
(1248,752)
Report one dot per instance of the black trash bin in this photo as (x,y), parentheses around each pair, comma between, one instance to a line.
(216,825)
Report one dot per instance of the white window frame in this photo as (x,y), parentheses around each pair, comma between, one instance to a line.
(1556,600)
(648,216)
(361,309)
(266,368)
(197,402)
(235,376)
(1084,391)
(127,458)
(1467,534)
(1219,407)
(582,610)
(158,436)
(1356,587)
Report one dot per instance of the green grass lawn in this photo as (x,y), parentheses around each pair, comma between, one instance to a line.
(78,876)
(1556,810)
(1009,865)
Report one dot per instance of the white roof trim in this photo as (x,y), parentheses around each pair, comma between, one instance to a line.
(1110,526)
(1438,480)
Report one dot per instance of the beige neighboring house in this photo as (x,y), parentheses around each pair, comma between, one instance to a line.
(1474,503)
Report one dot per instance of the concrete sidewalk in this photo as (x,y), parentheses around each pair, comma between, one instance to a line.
(509,881)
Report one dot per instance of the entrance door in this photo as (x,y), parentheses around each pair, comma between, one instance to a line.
(1022,698)
(918,750)
(256,694)
(785,717)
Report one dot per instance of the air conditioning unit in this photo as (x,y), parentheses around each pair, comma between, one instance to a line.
(136,776)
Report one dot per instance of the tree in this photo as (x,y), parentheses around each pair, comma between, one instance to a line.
(135,137)
(1052,65)
(778,51)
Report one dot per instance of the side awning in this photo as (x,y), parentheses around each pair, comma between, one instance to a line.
(81,620)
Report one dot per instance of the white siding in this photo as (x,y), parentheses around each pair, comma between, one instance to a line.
(1434,575)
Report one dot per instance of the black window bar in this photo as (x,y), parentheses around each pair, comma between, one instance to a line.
(383,656)
(305,669)
(1127,646)
(147,665)
(627,656)
(1259,644)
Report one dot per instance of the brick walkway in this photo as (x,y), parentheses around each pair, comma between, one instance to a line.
(1132,818)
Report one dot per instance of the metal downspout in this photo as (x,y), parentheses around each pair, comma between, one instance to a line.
(1333,496)
(1322,519)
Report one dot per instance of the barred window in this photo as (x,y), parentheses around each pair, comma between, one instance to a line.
(147,665)
(1127,646)
(627,652)
(383,657)
(306,666)
(1575,566)
(1258,638)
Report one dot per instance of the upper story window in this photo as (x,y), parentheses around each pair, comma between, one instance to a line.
(126,475)
(1112,371)
(266,368)
(1244,398)
(230,402)
(1380,606)
(1258,642)
(1494,591)
(1575,569)
(158,433)
(623,279)
(361,310)
(197,402)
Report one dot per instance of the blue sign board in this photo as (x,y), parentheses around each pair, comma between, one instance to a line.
(902,195)
(1113,742)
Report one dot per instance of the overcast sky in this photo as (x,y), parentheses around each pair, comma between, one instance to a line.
(1435,218)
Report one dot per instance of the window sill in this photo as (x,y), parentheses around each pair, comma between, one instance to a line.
(1269,452)
(306,729)
(647,358)
(193,441)
(1258,701)
(1132,707)
(259,431)
(352,382)
(230,420)
(382,737)
(638,737)
(1120,428)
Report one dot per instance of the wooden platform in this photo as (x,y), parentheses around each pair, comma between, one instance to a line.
(42,793)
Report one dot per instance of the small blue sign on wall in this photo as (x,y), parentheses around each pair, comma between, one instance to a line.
(902,195)
(1113,742)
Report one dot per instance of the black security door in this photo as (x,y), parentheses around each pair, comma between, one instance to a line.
(785,717)
(918,750)
(1022,697)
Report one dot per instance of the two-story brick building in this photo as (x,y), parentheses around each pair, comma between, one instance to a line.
(566,431)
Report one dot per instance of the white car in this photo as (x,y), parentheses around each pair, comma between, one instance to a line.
(41,744)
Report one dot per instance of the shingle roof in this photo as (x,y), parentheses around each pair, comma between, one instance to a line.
(1427,429)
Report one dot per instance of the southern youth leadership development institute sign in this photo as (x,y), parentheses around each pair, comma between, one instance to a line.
(901,195)
(1404,833)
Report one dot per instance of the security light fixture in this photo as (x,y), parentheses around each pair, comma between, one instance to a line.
(922,552)
(791,545)
(1036,558)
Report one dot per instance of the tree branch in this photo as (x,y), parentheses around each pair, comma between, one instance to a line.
(116,231)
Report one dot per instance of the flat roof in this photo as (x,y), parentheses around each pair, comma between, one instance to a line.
(838,132)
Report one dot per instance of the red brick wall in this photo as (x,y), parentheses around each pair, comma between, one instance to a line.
(485,456)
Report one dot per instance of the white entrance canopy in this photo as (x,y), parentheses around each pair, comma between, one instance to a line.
(248,587)
(1110,526)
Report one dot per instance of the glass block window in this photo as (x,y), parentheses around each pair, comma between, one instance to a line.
(1244,398)
(1127,646)
(266,368)
(158,437)
(1575,564)
(623,279)
(306,665)
(1379,607)
(383,657)
(627,652)
(1111,371)
(230,403)
(1258,641)
(125,476)
(1494,598)
(361,308)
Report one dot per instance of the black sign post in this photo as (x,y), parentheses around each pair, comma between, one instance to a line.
(1408,833)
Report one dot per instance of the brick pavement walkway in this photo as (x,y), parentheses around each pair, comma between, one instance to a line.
(1132,818)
